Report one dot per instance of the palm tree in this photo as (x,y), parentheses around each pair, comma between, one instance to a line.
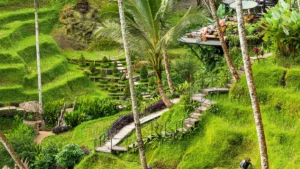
(132,90)
(151,33)
(167,68)
(252,88)
(298,4)
(11,151)
(38,58)
(222,40)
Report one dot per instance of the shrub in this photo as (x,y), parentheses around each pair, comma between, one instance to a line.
(144,72)
(21,139)
(144,80)
(120,123)
(115,69)
(74,118)
(127,90)
(69,156)
(97,107)
(155,106)
(61,129)
(106,65)
(82,60)
(52,111)
(92,67)
(152,81)
(46,158)
(87,72)
(104,60)
(281,28)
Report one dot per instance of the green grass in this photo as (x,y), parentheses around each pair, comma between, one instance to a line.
(11,74)
(23,15)
(85,133)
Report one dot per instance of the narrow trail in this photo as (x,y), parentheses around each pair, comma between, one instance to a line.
(112,145)
(42,135)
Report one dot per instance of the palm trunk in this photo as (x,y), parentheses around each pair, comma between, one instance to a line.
(132,90)
(233,71)
(38,58)
(167,67)
(298,4)
(252,88)
(161,90)
(11,151)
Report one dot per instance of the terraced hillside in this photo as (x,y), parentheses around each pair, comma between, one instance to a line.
(18,68)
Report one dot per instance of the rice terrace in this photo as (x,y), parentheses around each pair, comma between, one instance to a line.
(150,84)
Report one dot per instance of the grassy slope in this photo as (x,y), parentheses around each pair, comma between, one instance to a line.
(227,133)
(18,66)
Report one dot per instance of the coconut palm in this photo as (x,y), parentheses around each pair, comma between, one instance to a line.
(150,31)
(38,58)
(252,88)
(222,40)
(132,90)
(11,151)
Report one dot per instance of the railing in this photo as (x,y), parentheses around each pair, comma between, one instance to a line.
(108,136)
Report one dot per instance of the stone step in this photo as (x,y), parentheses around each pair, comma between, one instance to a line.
(119,148)
(103,149)
(195,115)
(215,90)
(188,126)
(202,108)
(166,133)
(190,120)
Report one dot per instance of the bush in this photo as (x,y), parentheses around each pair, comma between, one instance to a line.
(87,72)
(97,107)
(46,158)
(152,81)
(106,65)
(69,156)
(74,118)
(104,60)
(21,139)
(52,111)
(61,129)
(115,70)
(82,60)
(92,67)
(144,72)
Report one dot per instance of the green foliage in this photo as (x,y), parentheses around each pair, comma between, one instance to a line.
(144,72)
(52,111)
(21,139)
(46,157)
(152,81)
(74,118)
(82,60)
(92,68)
(126,90)
(221,11)
(104,60)
(97,107)
(186,67)
(281,27)
(69,156)
(292,79)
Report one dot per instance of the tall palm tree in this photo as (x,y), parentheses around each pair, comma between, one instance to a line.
(11,151)
(150,32)
(132,90)
(222,40)
(252,88)
(298,4)
(38,58)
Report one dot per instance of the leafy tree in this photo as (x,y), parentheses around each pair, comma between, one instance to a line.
(150,32)
(70,155)
(92,68)
(82,60)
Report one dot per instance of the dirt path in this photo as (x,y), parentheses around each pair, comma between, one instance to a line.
(42,135)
